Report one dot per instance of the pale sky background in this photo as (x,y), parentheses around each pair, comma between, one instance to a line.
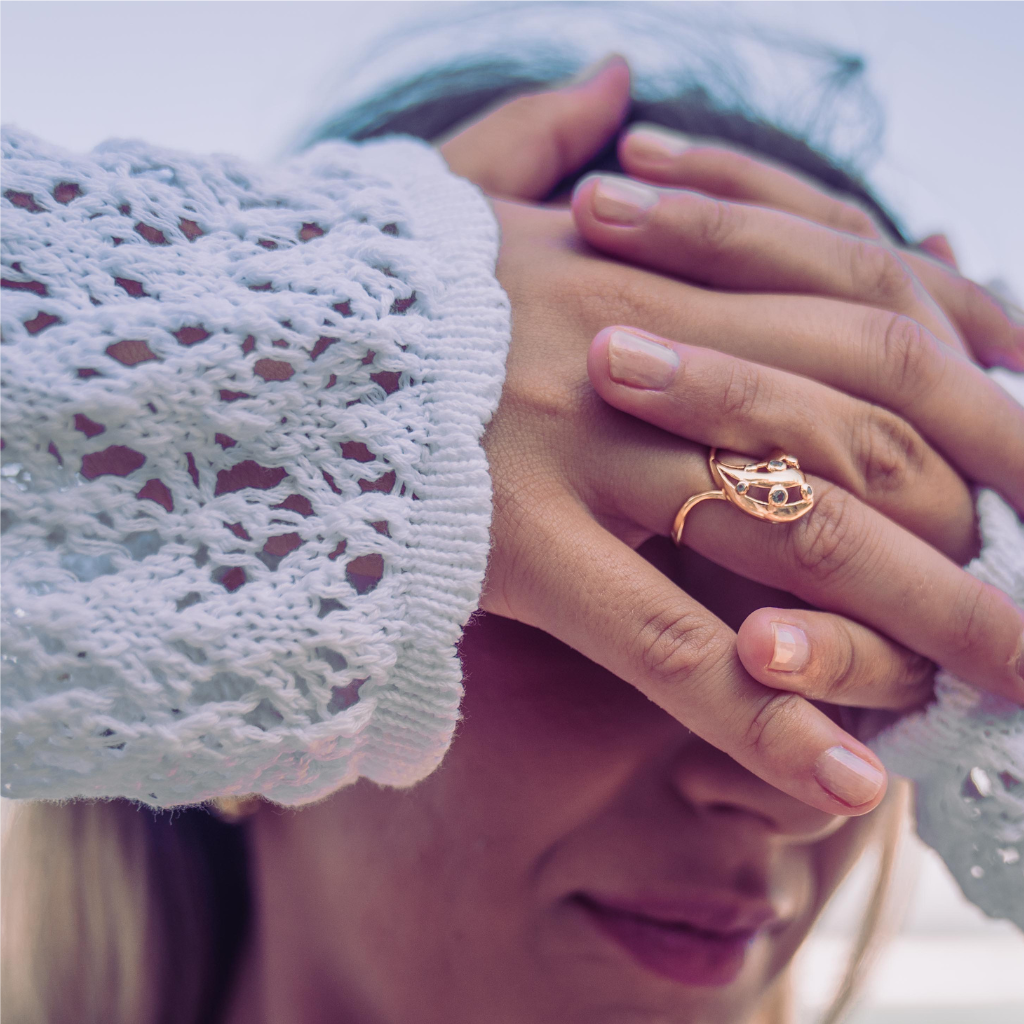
(242,76)
(239,76)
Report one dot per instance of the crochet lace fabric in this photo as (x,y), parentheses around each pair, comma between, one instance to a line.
(965,752)
(246,508)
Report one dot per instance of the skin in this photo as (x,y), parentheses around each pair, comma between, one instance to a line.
(453,902)
(859,349)
(578,486)
(456,900)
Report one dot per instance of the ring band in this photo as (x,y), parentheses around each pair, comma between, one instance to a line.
(775,490)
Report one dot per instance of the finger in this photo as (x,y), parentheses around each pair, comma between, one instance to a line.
(992,327)
(671,158)
(831,658)
(846,558)
(526,146)
(722,401)
(747,248)
(602,598)
(884,358)
(842,557)
(938,246)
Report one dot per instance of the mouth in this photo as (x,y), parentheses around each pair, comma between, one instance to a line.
(700,944)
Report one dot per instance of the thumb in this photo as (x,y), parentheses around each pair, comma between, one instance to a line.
(523,148)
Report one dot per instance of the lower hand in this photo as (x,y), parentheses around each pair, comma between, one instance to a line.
(578,486)
(554,565)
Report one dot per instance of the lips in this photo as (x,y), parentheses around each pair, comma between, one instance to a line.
(700,943)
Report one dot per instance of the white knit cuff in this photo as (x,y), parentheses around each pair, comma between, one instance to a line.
(246,503)
(965,751)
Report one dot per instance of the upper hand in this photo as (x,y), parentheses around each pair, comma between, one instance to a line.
(983,322)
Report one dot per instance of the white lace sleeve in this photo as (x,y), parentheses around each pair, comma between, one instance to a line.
(246,508)
(965,753)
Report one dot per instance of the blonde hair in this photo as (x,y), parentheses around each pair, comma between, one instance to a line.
(114,915)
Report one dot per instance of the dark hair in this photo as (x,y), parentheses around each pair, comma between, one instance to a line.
(431,106)
(216,912)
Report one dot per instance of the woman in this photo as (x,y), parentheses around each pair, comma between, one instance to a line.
(638,920)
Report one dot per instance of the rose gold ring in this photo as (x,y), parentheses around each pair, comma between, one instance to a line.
(775,490)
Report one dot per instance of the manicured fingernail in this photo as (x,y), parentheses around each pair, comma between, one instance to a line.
(848,777)
(640,362)
(791,650)
(621,201)
(657,143)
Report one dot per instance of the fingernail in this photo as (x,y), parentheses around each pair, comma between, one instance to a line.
(658,143)
(1008,360)
(621,201)
(849,778)
(591,71)
(1001,291)
(640,362)
(1020,661)
(791,649)
(1014,313)
(938,246)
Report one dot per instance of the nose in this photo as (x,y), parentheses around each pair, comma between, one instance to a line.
(713,784)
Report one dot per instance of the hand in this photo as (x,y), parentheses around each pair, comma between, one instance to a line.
(664,157)
(876,344)
(578,485)
(834,642)
(744,247)
(527,146)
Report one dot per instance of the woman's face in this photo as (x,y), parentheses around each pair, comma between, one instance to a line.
(579,857)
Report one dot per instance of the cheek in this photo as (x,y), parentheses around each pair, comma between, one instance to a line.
(819,871)
(547,738)
(545,744)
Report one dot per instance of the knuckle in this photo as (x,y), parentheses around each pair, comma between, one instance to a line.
(599,294)
(673,646)
(742,392)
(969,617)
(717,224)
(888,451)
(877,274)
(769,726)
(825,543)
(908,356)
